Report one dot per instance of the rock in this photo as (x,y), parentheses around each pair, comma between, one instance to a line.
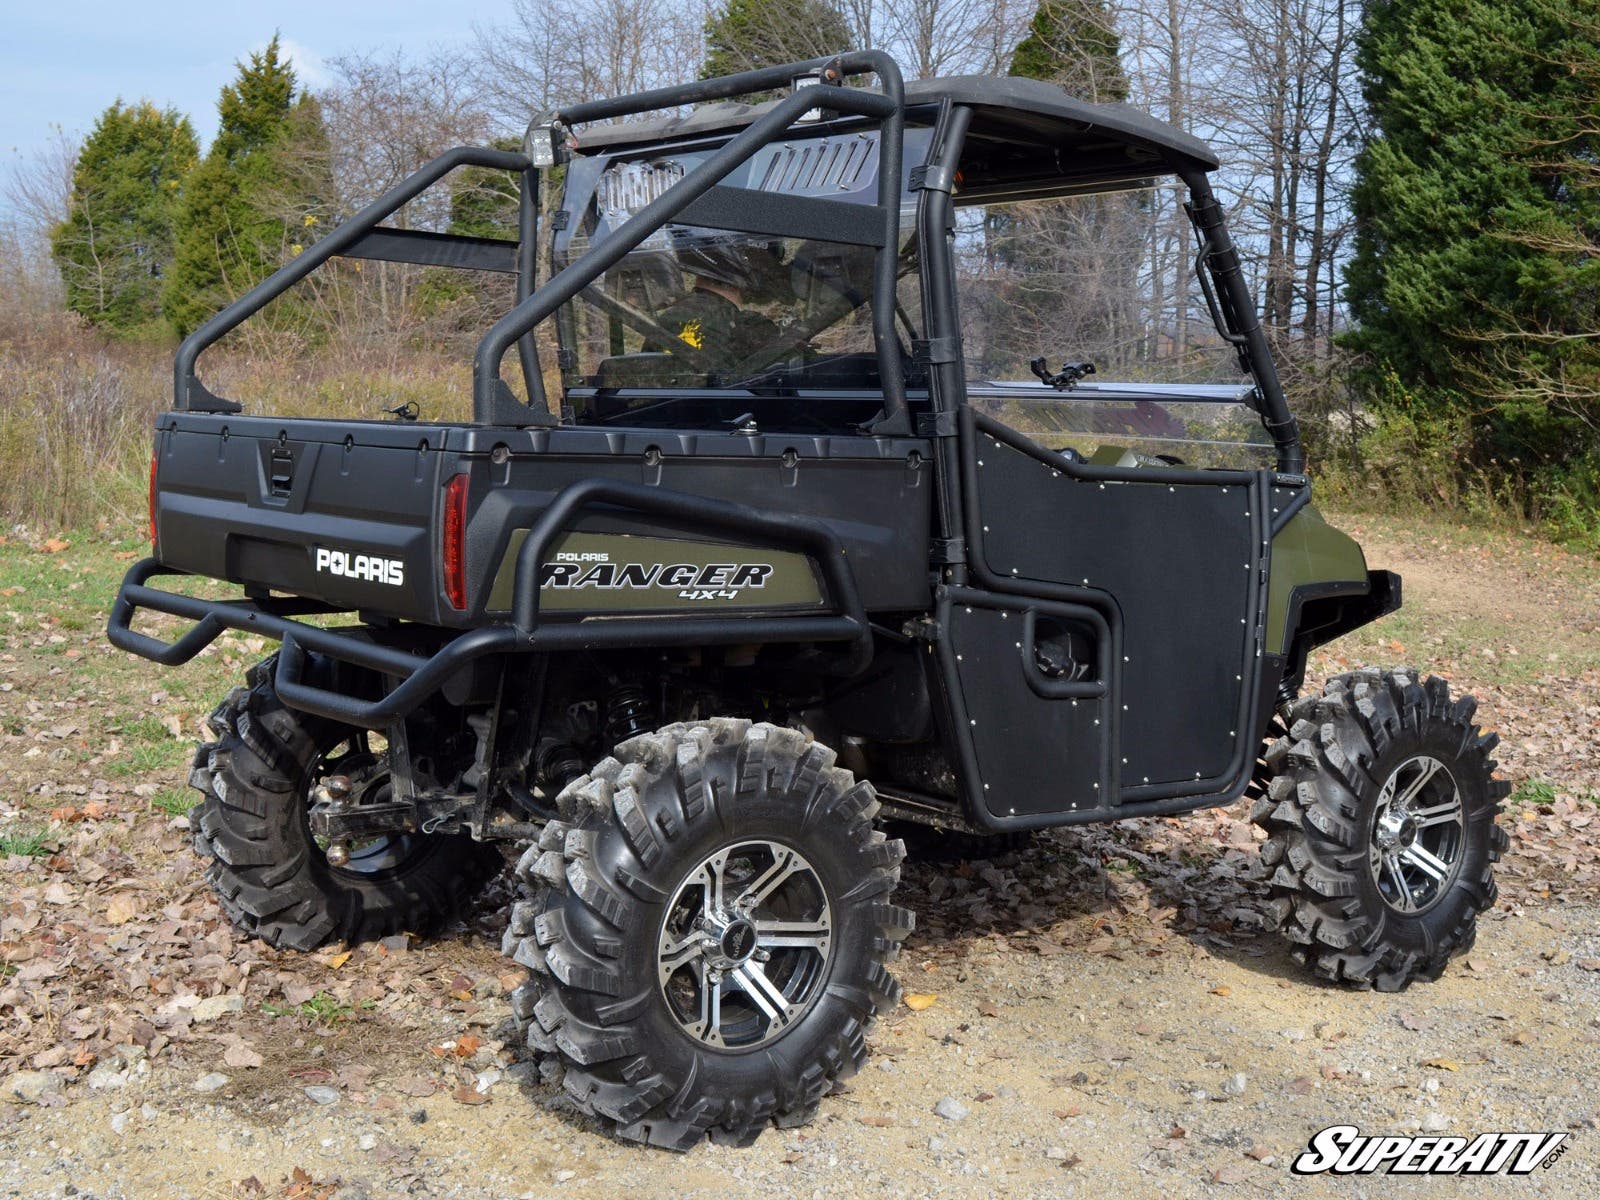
(1295,1035)
(523,1074)
(105,1076)
(34,1087)
(950,1109)
(935,1145)
(368,1141)
(1430,1085)
(1234,1085)
(1435,1122)
(211,1081)
(563,1176)
(321,1093)
(119,1122)
(213,1007)
(1058,1153)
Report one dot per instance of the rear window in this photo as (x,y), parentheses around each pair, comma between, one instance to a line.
(707,309)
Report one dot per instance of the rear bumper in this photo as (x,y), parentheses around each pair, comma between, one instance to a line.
(420,676)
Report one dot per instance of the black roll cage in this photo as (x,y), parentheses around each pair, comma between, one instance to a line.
(698,196)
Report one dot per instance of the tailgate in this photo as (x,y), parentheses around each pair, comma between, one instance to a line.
(341,512)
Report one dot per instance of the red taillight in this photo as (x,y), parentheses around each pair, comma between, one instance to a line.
(154,458)
(455,541)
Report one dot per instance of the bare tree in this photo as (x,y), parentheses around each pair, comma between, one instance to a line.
(35,196)
(38,187)
(556,53)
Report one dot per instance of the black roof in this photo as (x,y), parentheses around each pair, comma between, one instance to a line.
(1034,111)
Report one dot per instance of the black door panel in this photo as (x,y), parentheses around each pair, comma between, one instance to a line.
(1175,560)
(1035,730)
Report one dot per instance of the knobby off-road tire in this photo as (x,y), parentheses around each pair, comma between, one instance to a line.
(1380,816)
(268,872)
(618,885)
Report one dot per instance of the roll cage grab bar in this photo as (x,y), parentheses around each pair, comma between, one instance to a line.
(493,403)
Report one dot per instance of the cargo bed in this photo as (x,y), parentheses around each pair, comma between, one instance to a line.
(351,514)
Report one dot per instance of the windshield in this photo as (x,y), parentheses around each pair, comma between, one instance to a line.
(1133,425)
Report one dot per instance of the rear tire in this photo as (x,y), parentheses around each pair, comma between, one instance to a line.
(663,992)
(1380,815)
(269,874)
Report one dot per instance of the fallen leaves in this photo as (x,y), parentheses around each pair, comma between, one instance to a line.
(917,1001)
(468,1094)
(301,1186)
(121,909)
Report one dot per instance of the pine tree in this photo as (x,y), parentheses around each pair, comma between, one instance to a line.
(117,243)
(483,203)
(744,35)
(1074,43)
(256,194)
(1474,277)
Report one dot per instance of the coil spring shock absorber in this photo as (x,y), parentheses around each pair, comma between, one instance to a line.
(628,713)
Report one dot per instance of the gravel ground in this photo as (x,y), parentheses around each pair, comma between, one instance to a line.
(1180,1071)
(1107,1017)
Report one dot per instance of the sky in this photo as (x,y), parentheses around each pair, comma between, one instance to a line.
(63,61)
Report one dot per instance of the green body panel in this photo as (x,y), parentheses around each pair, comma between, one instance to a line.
(624,572)
(1306,551)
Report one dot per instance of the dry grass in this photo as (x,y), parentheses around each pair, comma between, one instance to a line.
(77,410)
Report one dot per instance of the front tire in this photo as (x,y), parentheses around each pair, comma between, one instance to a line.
(1380,816)
(270,875)
(709,933)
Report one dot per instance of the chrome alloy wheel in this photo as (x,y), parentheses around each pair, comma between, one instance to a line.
(745,944)
(1418,835)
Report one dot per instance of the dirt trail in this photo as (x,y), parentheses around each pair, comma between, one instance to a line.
(1084,1073)
(1107,1011)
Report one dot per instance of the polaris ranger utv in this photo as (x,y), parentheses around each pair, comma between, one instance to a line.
(777,543)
